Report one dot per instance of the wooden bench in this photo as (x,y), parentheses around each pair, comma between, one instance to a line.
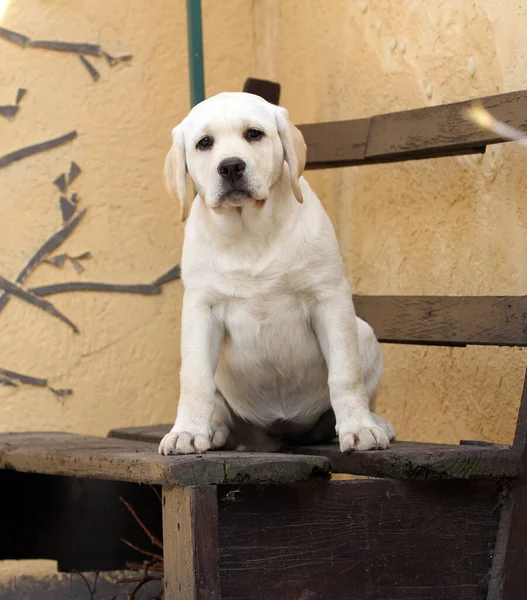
(433,521)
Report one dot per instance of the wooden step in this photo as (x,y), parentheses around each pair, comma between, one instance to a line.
(403,460)
(131,460)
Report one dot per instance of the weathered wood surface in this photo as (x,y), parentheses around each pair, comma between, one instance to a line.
(190,543)
(360,540)
(147,433)
(424,461)
(508,577)
(122,460)
(268,90)
(403,460)
(429,132)
(446,320)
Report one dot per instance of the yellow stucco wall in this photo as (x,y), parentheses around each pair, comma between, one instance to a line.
(447,226)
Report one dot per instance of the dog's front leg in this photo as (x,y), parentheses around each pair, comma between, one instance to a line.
(201,340)
(335,326)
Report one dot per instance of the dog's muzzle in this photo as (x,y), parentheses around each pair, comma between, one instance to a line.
(232,169)
(235,190)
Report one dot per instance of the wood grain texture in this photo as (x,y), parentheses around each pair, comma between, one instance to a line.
(446,320)
(429,132)
(122,460)
(335,144)
(190,543)
(508,577)
(423,461)
(403,460)
(360,540)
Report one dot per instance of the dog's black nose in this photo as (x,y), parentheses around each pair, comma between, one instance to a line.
(231,169)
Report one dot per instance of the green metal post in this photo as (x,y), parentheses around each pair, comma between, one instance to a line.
(195,52)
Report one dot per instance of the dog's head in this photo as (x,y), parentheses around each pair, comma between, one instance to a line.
(234,146)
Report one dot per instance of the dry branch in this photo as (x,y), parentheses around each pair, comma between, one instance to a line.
(155,541)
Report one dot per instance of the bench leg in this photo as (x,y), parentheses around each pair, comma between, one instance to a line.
(190,543)
(508,577)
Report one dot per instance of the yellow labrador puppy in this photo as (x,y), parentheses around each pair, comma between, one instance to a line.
(272,352)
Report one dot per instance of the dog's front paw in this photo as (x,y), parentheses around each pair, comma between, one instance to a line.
(362,433)
(184,442)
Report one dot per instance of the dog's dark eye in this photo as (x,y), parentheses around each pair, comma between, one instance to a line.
(205,143)
(253,135)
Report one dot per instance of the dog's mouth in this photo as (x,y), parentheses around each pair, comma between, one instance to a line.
(238,198)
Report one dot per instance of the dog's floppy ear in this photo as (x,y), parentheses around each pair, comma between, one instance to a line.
(294,149)
(176,170)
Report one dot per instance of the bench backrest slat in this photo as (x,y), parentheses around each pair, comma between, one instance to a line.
(429,132)
(446,320)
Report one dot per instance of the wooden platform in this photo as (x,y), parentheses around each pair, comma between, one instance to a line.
(136,461)
(403,460)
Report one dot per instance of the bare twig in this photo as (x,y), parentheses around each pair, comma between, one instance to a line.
(146,579)
(148,565)
(145,552)
(155,541)
(156,492)
(92,590)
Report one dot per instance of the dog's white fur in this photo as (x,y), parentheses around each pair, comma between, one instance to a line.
(269,332)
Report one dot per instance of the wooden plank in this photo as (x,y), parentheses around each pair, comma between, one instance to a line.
(336,144)
(360,540)
(429,132)
(423,461)
(403,460)
(190,543)
(508,577)
(122,460)
(446,320)
(268,90)
(146,433)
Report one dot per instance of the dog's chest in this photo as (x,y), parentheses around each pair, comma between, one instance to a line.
(264,299)
(268,322)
